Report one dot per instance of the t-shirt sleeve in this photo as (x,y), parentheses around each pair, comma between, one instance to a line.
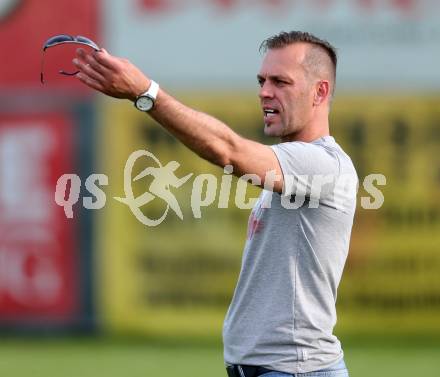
(305,163)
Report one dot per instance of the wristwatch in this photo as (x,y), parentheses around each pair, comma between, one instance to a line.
(145,101)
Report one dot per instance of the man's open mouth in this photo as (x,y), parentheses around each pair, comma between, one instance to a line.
(270,112)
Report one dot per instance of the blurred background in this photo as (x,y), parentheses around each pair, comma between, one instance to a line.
(101,293)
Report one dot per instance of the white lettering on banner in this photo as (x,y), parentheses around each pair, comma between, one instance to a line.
(24,195)
(29,277)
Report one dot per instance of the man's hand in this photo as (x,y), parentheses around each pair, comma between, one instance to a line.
(114,76)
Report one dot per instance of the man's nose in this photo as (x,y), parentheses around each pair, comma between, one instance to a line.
(266,91)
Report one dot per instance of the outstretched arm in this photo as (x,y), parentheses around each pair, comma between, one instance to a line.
(210,138)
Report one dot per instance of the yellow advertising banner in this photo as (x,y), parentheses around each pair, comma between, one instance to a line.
(169,270)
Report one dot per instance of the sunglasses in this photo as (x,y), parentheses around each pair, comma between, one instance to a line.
(62,39)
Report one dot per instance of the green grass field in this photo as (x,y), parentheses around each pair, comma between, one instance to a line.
(95,358)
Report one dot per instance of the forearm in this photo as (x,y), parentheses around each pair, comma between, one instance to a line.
(207,136)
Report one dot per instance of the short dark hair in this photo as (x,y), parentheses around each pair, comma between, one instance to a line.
(287,38)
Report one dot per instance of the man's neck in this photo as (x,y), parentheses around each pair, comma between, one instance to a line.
(308,133)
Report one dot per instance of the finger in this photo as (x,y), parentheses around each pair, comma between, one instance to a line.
(88,70)
(104,58)
(81,53)
(90,82)
(81,58)
(86,58)
(103,70)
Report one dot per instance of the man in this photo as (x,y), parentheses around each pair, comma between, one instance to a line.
(282,315)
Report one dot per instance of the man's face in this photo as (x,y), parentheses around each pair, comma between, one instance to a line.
(286,94)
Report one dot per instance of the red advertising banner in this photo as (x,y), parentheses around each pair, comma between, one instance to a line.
(38,275)
(24,27)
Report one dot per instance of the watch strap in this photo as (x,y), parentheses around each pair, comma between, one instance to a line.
(152,91)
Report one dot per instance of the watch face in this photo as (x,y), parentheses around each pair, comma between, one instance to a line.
(144,103)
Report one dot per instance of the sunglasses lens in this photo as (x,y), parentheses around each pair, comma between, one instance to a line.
(57,39)
(63,38)
(87,41)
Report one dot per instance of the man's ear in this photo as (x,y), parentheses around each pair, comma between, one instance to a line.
(322,91)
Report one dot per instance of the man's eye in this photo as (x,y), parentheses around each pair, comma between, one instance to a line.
(260,82)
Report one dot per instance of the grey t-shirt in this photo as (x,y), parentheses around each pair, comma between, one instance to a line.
(283,310)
